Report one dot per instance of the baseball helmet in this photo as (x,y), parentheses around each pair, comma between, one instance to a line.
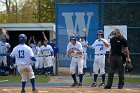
(100,32)
(22,38)
(129,67)
(73,37)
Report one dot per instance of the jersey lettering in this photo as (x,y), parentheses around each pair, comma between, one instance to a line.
(21,53)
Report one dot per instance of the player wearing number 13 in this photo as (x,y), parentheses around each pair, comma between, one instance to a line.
(23,55)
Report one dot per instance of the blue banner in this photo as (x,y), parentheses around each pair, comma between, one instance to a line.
(75,19)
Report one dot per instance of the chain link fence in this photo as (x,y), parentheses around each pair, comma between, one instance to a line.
(120,12)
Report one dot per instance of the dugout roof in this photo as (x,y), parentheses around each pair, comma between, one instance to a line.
(28,26)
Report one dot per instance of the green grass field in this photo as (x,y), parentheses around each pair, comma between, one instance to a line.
(115,80)
(44,79)
(17,79)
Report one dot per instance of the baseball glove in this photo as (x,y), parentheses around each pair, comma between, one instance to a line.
(129,67)
(70,51)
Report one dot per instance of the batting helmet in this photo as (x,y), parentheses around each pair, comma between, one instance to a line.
(22,38)
(100,32)
(73,37)
(129,67)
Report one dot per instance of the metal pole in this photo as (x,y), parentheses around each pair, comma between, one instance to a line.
(102,14)
(56,11)
(39,11)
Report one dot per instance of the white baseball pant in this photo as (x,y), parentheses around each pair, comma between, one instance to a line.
(3,59)
(76,61)
(48,62)
(25,72)
(99,64)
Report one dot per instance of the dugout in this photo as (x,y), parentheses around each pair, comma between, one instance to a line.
(30,29)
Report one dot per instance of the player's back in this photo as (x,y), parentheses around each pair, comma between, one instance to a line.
(22,54)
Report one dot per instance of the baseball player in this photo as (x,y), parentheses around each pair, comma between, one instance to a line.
(23,55)
(100,45)
(39,58)
(4,47)
(3,33)
(74,48)
(48,55)
(56,50)
(32,44)
(84,44)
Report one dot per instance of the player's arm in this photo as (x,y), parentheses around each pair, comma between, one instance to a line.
(33,58)
(80,51)
(31,55)
(12,59)
(44,35)
(34,40)
(105,42)
(30,40)
(89,46)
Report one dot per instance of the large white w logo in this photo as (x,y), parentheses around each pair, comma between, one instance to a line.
(80,22)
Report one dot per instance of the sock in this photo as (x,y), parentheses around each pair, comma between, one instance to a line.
(103,78)
(84,70)
(51,68)
(23,85)
(74,77)
(33,83)
(95,77)
(80,78)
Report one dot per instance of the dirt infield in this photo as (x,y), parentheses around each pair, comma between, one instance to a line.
(63,89)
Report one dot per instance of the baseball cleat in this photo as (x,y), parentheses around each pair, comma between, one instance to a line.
(94,85)
(23,91)
(107,87)
(74,84)
(79,84)
(102,84)
(120,87)
(35,91)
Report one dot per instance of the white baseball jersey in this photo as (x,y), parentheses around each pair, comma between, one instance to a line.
(83,44)
(77,60)
(76,47)
(99,46)
(99,59)
(33,46)
(22,54)
(46,50)
(4,47)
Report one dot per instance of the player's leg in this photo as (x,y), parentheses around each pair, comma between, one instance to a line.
(37,65)
(4,59)
(95,70)
(45,66)
(0,60)
(84,63)
(40,65)
(24,77)
(73,66)
(51,66)
(32,79)
(102,69)
(80,70)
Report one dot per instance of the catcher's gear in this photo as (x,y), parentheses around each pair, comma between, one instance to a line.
(128,67)
(22,38)
(100,32)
